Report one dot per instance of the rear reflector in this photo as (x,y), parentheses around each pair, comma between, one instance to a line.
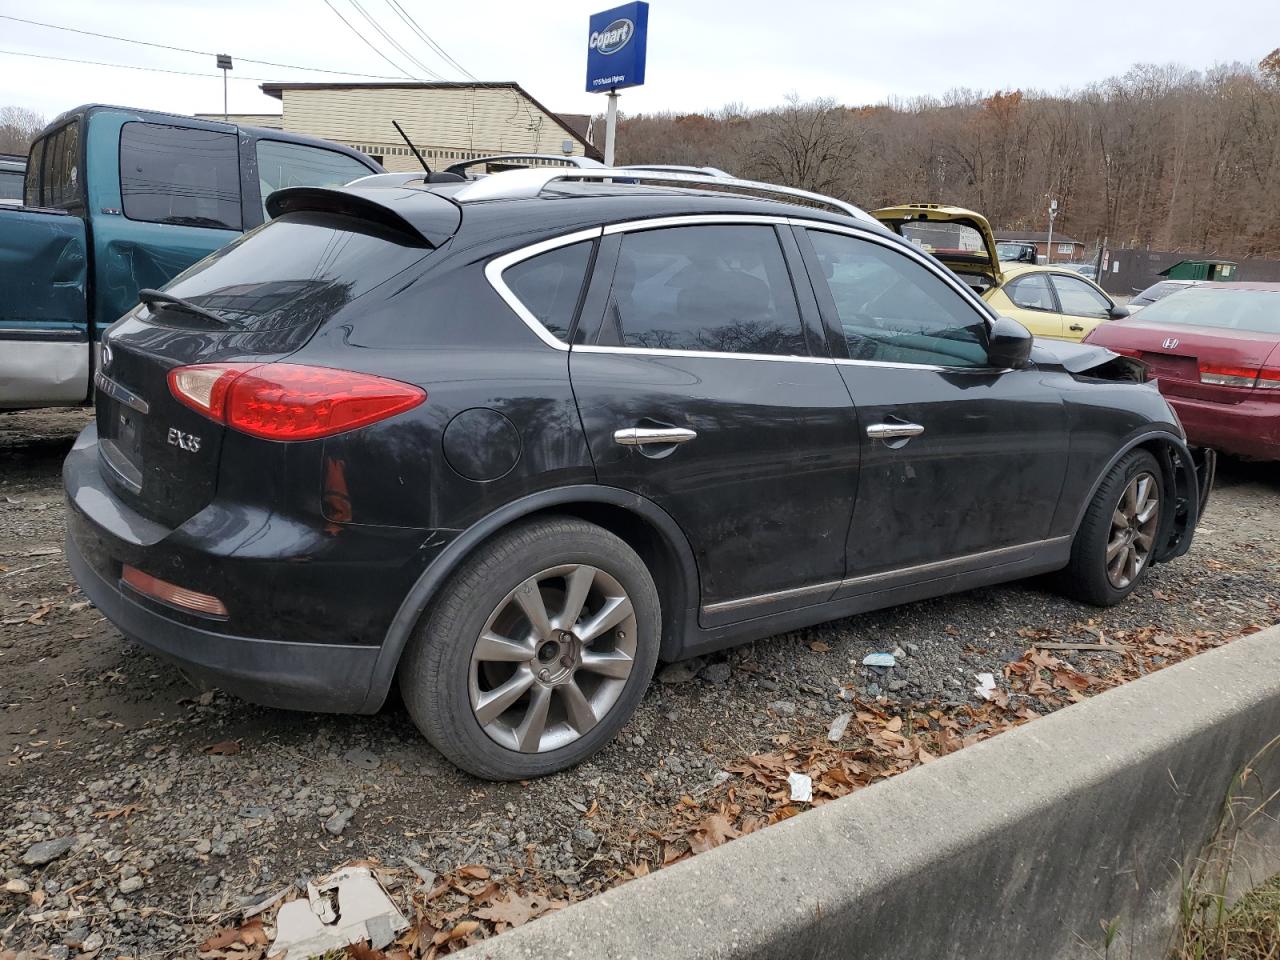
(1227,376)
(290,401)
(171,593)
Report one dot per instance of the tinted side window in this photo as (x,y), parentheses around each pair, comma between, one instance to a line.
(716,288)
(283,165)
(61,182)
(179,175)
(1078,299)
(31,184)
(550,283)
(894,310)
(1032,293)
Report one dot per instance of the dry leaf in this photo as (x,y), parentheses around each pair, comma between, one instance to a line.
(224,748)
(474,872)
(817,646)
(513,911)
(711,832)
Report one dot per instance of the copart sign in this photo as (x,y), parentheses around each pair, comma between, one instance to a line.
(616,41)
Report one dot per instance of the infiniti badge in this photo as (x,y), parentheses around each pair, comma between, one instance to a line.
(106,355)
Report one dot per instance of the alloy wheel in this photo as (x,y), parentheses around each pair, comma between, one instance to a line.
(553,658)
(1133,530)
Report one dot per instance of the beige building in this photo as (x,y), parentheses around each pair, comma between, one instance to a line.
(447,122)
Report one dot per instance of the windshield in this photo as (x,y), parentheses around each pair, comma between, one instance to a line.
(947,239)
(301,268)
(1157,292)
(1257,311)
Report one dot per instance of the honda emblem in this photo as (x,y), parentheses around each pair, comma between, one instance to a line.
(1170,343)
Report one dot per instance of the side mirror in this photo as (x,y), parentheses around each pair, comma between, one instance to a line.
(1010,344)
(1118,311)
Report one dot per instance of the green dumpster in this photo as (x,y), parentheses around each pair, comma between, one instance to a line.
(1202,270)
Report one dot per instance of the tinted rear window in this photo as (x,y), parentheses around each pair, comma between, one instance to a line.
(300,268)
(180,175)
(1257,311)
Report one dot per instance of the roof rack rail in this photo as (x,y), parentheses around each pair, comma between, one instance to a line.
(529,183)
(552,160)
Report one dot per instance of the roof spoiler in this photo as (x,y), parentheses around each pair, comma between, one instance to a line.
(422,217)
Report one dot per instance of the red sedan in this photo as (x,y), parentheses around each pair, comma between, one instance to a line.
(1215,351)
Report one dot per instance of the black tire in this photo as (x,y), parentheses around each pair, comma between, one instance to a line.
(1086,578)
(437,676)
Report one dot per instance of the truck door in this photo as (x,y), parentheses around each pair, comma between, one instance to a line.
(161,197)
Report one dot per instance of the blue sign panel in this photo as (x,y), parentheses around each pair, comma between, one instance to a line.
(616,47)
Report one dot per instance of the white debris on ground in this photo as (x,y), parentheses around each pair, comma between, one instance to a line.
(346,907)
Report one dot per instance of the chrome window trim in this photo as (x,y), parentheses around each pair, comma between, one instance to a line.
(494,269)
(933,566)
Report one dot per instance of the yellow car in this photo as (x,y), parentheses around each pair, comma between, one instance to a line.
(1050,301)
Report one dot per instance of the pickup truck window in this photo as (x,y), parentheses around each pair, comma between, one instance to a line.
(180,175)
(54,176)
(31,184)
(283,165)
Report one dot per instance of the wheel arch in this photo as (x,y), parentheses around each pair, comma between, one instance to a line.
(1178,470)
(642,524)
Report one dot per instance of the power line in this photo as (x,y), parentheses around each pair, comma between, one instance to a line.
(395,43)
(404,15)
(124,66)
(369,43)
(204,53)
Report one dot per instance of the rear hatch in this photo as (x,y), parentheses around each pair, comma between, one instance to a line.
(960,238)
(268,293)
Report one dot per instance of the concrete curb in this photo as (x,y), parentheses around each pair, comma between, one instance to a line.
(1018,847)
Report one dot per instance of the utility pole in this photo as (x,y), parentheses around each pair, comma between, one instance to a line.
(224,64)
(1048,247)
(610,126)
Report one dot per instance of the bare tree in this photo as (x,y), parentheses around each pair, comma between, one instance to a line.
(813,146)
(18,127)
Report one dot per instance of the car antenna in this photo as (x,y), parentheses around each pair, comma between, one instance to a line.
(400,130)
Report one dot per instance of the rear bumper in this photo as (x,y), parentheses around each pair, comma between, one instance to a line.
(308,606)
(296,676)
(1249,429)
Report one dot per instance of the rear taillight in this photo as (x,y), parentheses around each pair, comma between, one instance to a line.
(1226,375)
(289,401)
(1126,351)
(1268,378)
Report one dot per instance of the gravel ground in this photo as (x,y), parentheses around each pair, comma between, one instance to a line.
(158,810)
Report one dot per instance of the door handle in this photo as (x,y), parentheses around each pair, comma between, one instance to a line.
(1076,327)
(639,436)
(893,431)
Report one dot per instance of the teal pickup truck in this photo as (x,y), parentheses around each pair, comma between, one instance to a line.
(117,200)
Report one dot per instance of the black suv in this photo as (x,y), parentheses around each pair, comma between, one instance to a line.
(512,442)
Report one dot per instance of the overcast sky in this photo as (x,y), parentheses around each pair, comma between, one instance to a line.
(701,54)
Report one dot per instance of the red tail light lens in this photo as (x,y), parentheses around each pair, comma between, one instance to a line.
(290,401)
(1268,378)
(1225,375)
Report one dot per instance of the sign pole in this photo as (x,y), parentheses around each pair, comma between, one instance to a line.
(224,64)
(1048,247)
(610,127)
